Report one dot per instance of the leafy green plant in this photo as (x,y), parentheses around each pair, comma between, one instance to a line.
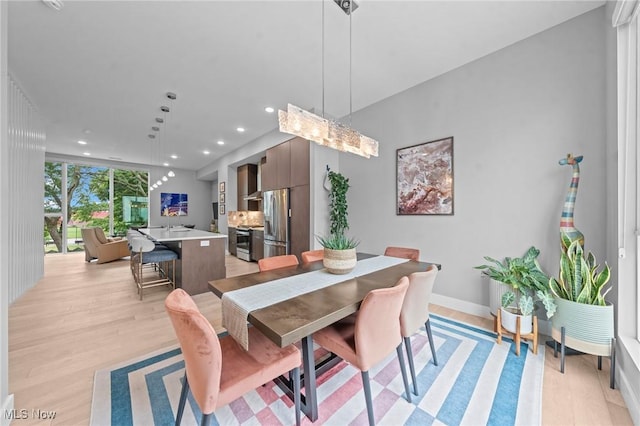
(525,276)
(338,242)
(338,215)
(338,203)
(579,279)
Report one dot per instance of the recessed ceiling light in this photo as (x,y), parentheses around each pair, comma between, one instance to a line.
(155,185)
(82,142)
(159,182)
(165,164)
(164,108)
(164,178)
(206,152)
(174,156)
(87,153)
(269,109)
(151,136)
(56,5)
(220,142)
(155,128)
(240,129)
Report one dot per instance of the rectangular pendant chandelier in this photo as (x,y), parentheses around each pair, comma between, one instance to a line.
(305,124)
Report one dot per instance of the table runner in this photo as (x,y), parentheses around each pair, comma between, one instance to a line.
(237,304)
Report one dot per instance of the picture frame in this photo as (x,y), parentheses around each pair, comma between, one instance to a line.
(221,209)
(174,204)
(424,178)
(222,197)
(222,187)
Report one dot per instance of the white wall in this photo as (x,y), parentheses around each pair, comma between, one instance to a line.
(22,163)
(6,401)
(513,114)
(184,182)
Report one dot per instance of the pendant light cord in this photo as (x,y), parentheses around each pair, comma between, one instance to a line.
(350,48)
(323,58)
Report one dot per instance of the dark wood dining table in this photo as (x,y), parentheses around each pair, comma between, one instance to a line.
(296,319)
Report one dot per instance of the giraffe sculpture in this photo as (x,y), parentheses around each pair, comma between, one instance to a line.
(568,232)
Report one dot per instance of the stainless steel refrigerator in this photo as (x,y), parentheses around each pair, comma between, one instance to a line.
(276,222)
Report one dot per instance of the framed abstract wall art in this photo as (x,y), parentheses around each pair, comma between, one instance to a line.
(172,204)
(424,176)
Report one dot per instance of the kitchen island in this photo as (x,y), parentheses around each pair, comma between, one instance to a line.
(200,255)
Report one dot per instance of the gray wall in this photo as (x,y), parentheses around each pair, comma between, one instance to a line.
(184,182)
(513,114)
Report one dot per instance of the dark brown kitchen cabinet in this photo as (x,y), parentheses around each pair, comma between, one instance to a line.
(287,165)
(283,170)
(257,245)
(299,153)
(268,174)
(232,241)
(247,184)
(300,219)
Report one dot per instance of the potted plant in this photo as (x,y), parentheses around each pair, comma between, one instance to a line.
(524,283)
(584,321)
(339,250)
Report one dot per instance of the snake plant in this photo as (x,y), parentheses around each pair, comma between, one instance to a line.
(579,279)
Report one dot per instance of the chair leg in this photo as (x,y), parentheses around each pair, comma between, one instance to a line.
(206,419)
(295,375)
(427,325)
(403,369)
(366,385)
(562,331)
(407,345)
(183,400)
(612,373)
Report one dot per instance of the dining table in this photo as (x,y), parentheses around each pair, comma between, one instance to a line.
(296,318)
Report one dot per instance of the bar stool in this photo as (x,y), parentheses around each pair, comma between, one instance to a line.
(145,252)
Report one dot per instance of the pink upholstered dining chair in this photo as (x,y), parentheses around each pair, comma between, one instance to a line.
(373,336)
(276,262)
(415,313)
(312,256)
(403,252)
(218,371)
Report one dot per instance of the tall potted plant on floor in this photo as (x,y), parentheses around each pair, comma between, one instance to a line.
(584,321)
(339,250)
(525,283)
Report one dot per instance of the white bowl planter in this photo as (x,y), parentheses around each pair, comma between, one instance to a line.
(509,321)
(496,290)
(585,328)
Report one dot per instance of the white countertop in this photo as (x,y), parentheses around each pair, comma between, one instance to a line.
(179,233)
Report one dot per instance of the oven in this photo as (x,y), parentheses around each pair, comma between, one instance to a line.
(243,244)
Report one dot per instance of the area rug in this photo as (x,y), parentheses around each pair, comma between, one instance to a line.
(476,382)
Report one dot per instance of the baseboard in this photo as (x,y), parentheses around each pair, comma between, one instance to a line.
(7,407)
(544,326)
(625,381)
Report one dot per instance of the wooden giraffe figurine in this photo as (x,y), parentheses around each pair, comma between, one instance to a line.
(568,232)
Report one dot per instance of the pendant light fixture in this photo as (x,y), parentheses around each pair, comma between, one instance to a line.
(305,124)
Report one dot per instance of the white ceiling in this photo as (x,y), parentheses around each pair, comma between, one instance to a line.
(99,70)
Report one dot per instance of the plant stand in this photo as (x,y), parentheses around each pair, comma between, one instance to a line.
(533,336)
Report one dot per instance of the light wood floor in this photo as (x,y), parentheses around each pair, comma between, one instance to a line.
(83,317)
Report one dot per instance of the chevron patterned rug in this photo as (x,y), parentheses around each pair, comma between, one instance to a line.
(477,382)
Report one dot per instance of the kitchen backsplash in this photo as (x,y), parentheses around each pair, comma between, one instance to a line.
(245,218)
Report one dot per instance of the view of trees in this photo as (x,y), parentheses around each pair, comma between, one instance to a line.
(87,198)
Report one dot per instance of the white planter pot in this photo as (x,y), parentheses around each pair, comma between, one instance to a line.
(509,322)
(588,328)
(496,290)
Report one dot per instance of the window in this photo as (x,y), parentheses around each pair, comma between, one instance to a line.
(86,201)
